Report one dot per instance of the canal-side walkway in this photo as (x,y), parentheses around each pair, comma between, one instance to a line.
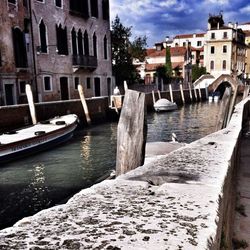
(242,217)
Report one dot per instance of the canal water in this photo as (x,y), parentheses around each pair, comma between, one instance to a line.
(49,178)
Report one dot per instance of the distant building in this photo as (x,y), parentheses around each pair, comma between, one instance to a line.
(224,49)
(193,40)
(54,45)
(156,57)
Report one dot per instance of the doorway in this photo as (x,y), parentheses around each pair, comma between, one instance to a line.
(97,86)
(9,94)
(64,88)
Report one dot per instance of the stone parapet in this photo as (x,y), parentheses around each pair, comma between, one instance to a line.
(183,200)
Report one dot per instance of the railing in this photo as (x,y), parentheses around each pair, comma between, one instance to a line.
(84,61)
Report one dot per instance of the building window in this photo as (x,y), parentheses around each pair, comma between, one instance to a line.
(73,40)
(12,1)
(43,39)
(224,65)
(58,3)
(105,47)
(80,8)
(22,87)
(47,83)
(213,35)
(88,83)
(86,43)
(79,42)
(212,49)
(224,48)
(105,9)
(62,41)
(42,1)
(212,65)
(19,48)
(224,35)
(76,82)
(95,45)
(25,3)
(94,8)
(198,43)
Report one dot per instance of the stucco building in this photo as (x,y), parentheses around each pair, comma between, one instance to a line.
(224,49)
(54,45)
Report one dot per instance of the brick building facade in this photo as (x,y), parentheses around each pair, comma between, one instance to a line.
(54,45)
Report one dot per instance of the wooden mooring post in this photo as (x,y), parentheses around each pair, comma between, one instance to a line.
(31,103)
(171,93)
(182,93)
(84,104)
(131,133)
(224,108)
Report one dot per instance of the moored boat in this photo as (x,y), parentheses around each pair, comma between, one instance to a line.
(35,138)
(164,105)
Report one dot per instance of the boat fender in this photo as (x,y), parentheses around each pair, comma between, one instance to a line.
(12,132)
(45,122)
(39,133)
(60,122)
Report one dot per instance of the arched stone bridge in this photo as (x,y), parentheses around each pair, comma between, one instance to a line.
(222,79)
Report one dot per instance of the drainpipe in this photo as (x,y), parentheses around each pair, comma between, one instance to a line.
(34,53)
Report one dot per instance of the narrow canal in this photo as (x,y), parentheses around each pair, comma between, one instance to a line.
(49,178)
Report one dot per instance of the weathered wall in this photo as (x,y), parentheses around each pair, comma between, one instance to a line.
(18,116)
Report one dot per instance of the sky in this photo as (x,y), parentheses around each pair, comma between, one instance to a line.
(160,18)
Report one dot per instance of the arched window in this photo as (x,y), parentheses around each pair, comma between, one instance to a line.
(86,43)
(62,41)
(105,47)
(224,65)
(212,65)
(105,9)
(95,45)
(94,8)
(79,41)
(19,48)
(73,39)
(43,38)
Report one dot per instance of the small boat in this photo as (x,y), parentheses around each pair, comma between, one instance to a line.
(41,136)
(164,105)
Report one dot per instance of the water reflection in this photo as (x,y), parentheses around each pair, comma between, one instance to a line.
(49,178)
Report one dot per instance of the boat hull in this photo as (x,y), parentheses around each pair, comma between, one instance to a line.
(39,142)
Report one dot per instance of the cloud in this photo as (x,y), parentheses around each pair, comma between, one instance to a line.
(161,18)
(245,9)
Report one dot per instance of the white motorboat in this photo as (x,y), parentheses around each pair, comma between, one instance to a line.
(164,105)
(35,138)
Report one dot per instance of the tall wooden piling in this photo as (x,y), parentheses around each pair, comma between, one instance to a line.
(84,104)
(232,104)
(131,133)
(246,92)
(159,94)
(199,91)
(195,95)
(224,108)
(182,94)
(190,92)
(31,103)
(171,93)
(125,85)
(153,96)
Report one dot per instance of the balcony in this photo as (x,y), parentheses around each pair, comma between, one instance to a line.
(84,62)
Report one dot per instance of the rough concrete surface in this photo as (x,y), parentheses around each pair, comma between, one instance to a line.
(169,203)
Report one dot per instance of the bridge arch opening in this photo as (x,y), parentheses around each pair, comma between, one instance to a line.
(221,89)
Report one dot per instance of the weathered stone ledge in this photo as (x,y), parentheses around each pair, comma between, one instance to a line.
(180,201)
